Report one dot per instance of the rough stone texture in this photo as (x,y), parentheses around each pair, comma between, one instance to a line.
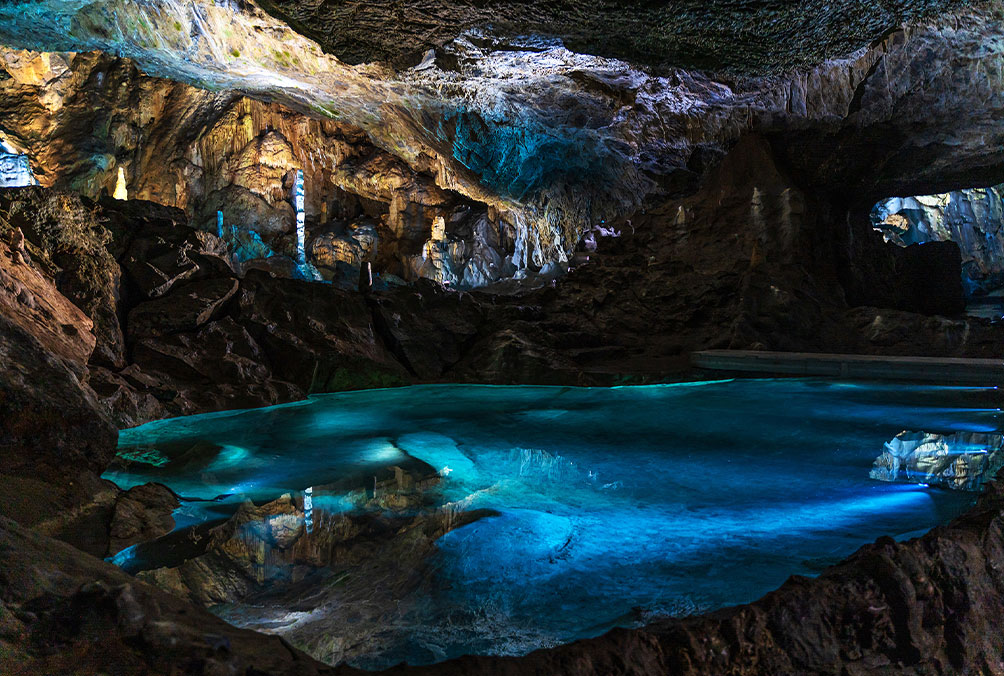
(142,513)
(543,141)
(51,425)
(204,152)
(66,612)
(29,297)
(499,152)
(66,242)
(186,308)
(750,260)
(972,218)
(753,36)
(101,519)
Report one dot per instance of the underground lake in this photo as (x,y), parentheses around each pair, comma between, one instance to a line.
(422,523)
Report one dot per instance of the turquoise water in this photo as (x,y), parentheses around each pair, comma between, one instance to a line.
(613,506)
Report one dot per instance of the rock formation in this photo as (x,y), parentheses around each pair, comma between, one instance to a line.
(972,218)
(490,192)
(963,461)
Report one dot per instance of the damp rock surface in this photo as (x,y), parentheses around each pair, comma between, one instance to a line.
(962,461)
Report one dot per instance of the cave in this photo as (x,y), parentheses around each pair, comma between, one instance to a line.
(462,338)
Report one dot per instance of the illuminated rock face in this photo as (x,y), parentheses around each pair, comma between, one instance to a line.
(243,164)
(15,168)
(550,141)
(963,461)
(973,219)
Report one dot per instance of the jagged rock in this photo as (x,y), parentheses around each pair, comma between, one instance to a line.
(247,210)
(69,245)
(128,403)
(29,297)
(51,424)
(104,519)
(328,250)
(319,338)
(69,613)
(963,461)
(156,275)
(413,319)
(142,513)
(187,307)
(972,218)
(219,366)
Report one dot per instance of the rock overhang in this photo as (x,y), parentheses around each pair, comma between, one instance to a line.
(520,114)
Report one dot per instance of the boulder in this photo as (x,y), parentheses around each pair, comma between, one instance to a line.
(142,513)
(51,424)
(187,307)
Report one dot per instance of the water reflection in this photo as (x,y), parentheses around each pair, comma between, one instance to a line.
(422,523)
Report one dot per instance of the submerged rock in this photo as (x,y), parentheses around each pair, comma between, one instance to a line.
(962,461)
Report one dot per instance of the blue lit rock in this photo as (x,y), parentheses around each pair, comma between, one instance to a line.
(495,123)
(962,461)
(15,168)
(972,218)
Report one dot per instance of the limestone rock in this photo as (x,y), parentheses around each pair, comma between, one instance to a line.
(51,425)
(29,297)
(68,245)
(962,461)
(187,307)
(66,612)
(129,400)
(140,514)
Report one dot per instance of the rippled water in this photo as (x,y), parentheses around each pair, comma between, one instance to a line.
(611,505)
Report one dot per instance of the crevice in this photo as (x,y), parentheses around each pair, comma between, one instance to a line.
(383,332)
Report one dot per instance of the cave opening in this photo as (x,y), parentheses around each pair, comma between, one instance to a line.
(972,218)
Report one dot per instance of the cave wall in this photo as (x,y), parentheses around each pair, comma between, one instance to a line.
(83,118)
(973,218)
(554,142)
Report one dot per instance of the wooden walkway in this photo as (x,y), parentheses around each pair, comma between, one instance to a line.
(940,370)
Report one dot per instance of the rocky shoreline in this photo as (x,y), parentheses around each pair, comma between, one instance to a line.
(927,606)
(738,217)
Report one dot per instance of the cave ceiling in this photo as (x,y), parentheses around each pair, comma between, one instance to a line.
(738,36)
(564,114)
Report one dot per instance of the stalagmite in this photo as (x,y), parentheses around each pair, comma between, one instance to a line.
(308,508)
(121,192)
